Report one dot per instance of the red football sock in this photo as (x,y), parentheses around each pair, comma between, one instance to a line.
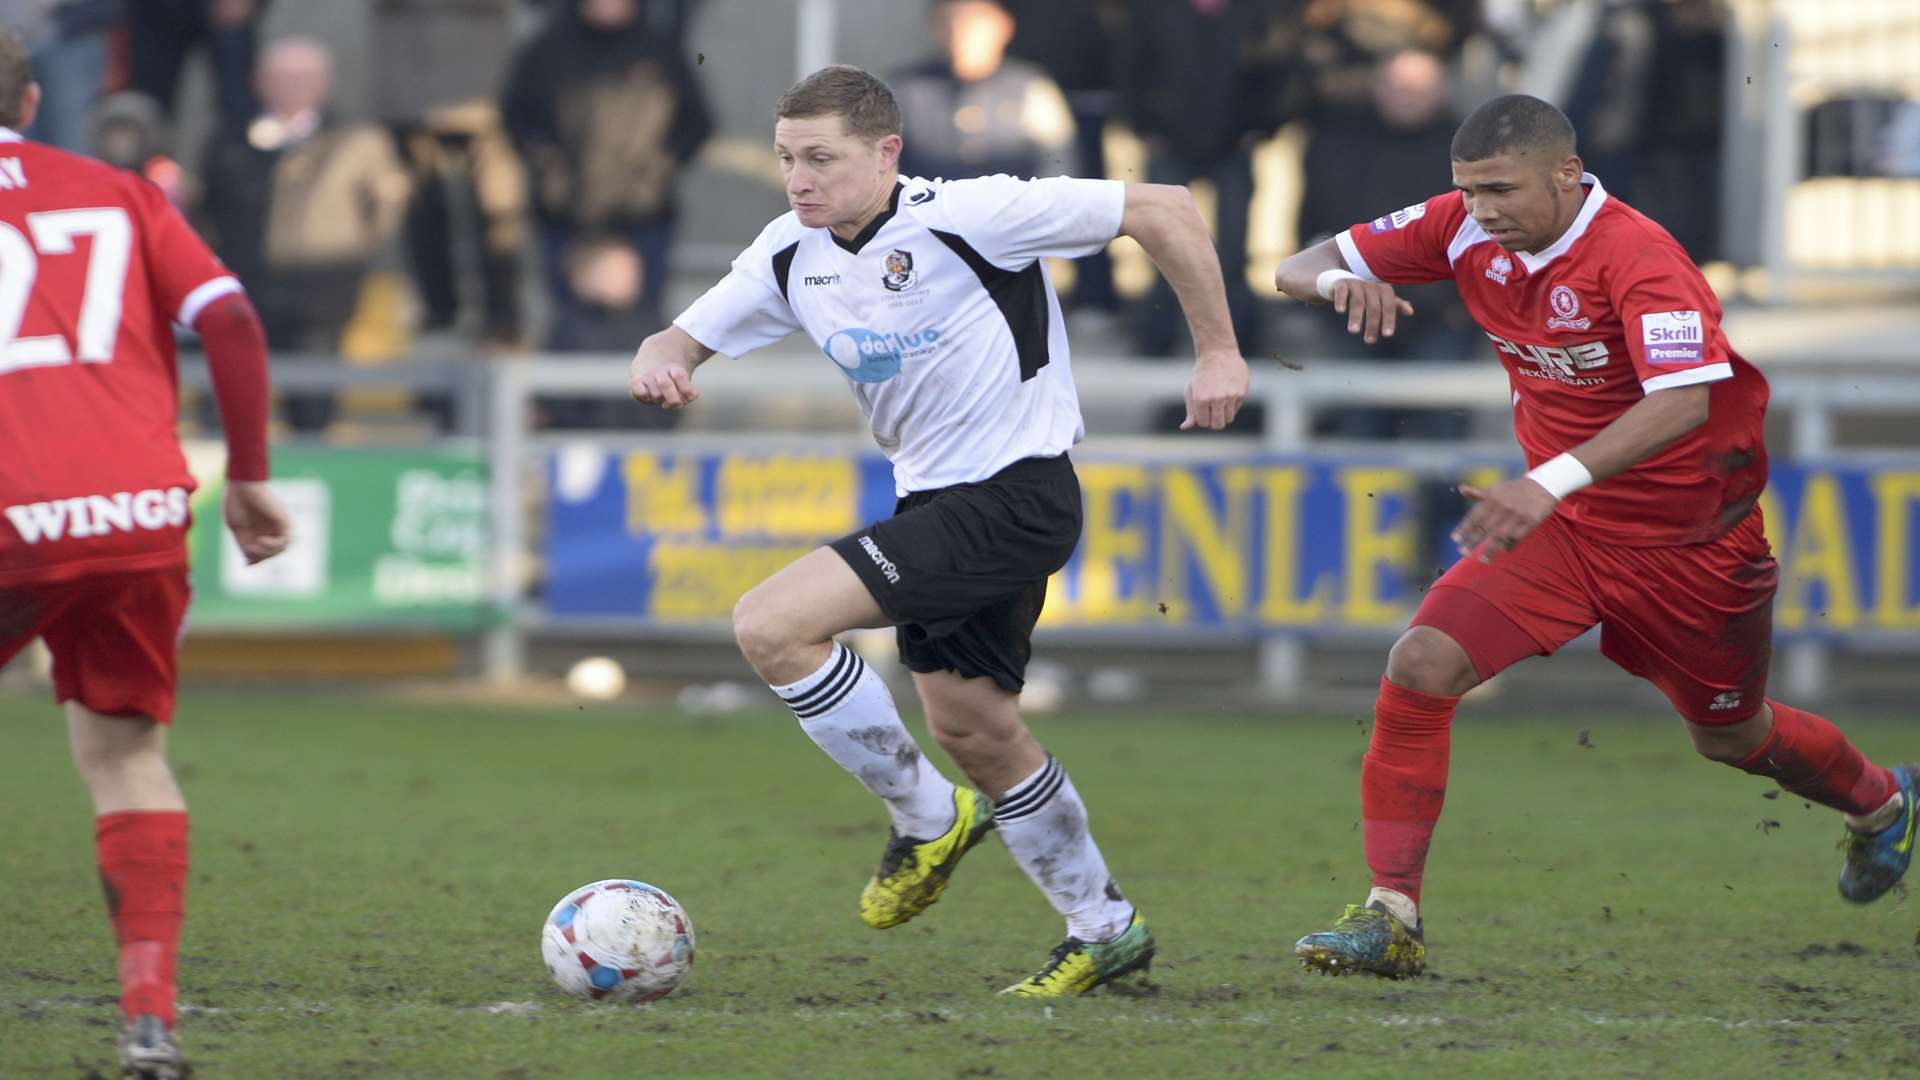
(143,867)
(1808,756)
(1403,782)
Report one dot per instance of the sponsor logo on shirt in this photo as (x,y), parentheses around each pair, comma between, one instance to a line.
(1567,366)
(888,569)
(820,279)
(1400,219)
(1673,337)
(869,357)
(1566,310)
(900,274)
(1499,268)
(97,515)
(918,197)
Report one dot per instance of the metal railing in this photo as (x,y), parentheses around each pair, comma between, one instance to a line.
(1812,405)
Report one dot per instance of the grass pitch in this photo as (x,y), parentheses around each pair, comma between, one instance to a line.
(369,880)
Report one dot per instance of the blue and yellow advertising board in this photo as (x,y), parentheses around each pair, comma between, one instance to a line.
(1242,545)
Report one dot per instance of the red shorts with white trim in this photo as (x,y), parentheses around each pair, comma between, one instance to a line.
(115,638)
(1695,621)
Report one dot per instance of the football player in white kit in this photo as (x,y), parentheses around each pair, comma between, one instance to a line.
(932,297)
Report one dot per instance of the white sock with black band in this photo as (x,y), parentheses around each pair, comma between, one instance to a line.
(847,711)
(1044,824)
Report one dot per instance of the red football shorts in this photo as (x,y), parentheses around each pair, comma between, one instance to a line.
(1695,621)
(115,638)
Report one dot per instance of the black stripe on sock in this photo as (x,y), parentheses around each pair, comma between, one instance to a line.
(1036,796)
(804,699)
(841,693)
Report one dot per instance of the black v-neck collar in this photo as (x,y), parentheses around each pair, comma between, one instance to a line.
(853,246)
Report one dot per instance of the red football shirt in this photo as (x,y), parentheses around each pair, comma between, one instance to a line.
(1612,311)
(95,266)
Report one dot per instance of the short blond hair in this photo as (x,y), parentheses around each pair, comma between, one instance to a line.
(853,94)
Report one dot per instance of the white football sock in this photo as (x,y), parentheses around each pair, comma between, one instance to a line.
(1880,820)
(1044,824)
(1398,904)
(848,712)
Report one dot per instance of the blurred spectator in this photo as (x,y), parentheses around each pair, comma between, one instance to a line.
(67,43)
(1074,41)
(1361,164)
(1203,82)
(1643,82)
(298,204)
(666,20)
(1678,182)
(604,112)
(1345,41)
(130,132)
(437,65)
(970,111)
(608,277)
(1609,97)
(161,34)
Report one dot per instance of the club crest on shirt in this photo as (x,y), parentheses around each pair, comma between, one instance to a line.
(1499,268)
(1566,310)
(900,275)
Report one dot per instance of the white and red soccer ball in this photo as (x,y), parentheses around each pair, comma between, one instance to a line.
(618,940)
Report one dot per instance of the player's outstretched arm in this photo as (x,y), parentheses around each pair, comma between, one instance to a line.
(236,348)
(1165,222)
(1509,510)
(662,369)
(1319,275)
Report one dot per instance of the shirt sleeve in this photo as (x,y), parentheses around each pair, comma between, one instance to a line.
(747,309)
(1671,320)
(1409,246)
(186,275)
(1012,222)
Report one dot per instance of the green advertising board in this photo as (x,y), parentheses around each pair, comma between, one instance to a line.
(382,539)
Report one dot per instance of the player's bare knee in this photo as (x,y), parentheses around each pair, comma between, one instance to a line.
(111,764)
(761,636)
(1430,662)
(975,736)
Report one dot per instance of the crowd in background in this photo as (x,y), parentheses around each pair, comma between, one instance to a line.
(515,140)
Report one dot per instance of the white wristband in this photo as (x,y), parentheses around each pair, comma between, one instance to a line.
(1329,278)
(1561,476)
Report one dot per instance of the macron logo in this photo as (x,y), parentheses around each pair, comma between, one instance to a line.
(886,565)
(98,515)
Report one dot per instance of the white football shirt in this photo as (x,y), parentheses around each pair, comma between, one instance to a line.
(940,315)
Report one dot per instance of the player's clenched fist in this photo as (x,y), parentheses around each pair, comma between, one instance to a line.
(1216,391)
(668,385)
(259,523)
(1371,307)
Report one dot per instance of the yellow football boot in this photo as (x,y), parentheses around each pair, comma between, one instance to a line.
(1078,966)
(1366,939)
(913,873)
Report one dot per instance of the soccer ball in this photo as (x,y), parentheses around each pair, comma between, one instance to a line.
(618,939)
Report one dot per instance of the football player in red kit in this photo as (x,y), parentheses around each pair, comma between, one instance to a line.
(1642,432)
(95,266)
